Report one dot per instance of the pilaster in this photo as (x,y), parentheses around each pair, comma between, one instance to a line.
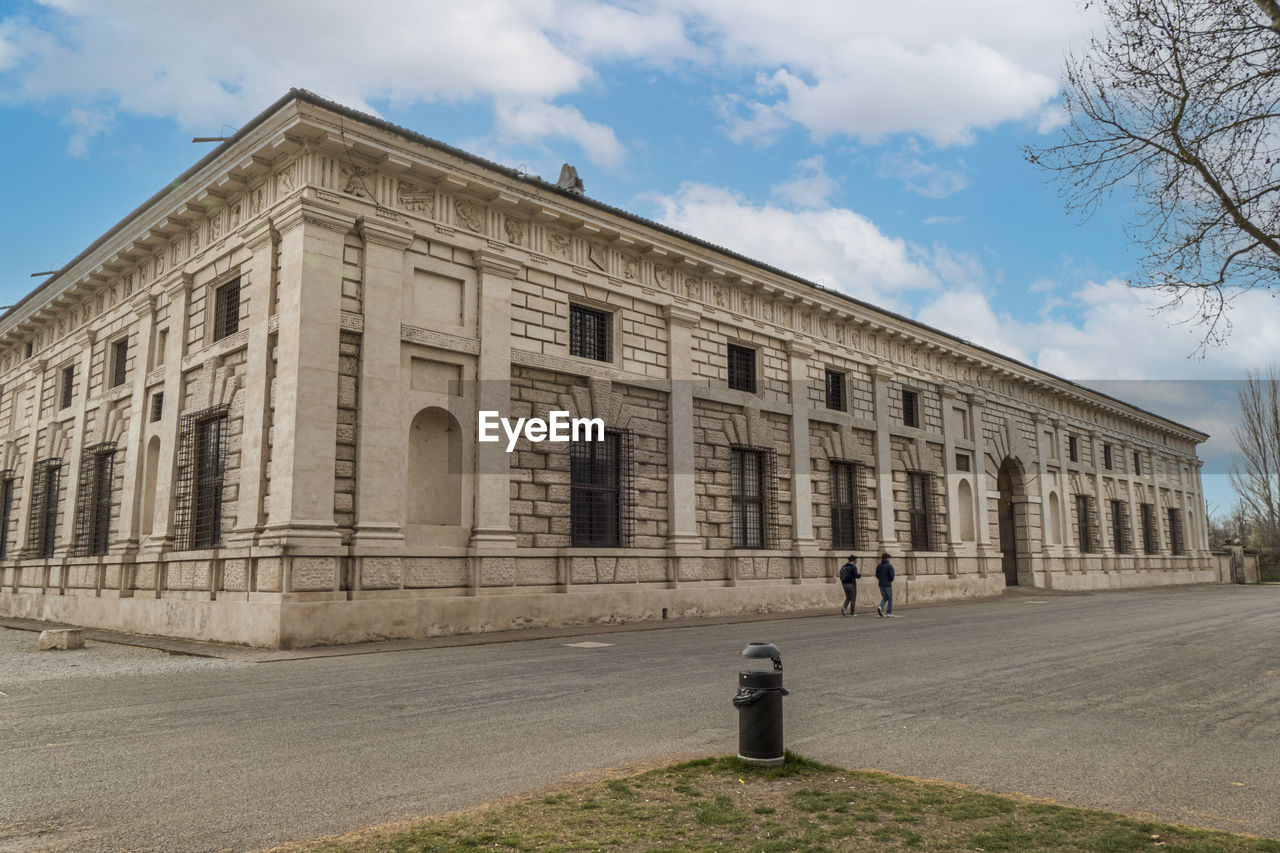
(41,367)
(682,531)
(85,341)
(161,536)
(801,474)
(880,378)
(982,518)
(127,533)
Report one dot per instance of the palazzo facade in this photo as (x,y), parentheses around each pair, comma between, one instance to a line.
(250,413)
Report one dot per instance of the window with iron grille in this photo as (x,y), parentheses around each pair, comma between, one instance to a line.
(157,406)
(1073,448)
(1150,544)
(962,462)
(43,527)
(1120,526)
(910,408)
(742,368)
(920,510)
(1106,456)
(847,515)
(6,510)
(68,386)
(835,390)
(1177,544)
(590,333)
(600,491)
(1087,524)
(202,453)
(226,310)
(752,474)
(119,361)
(93,501)
(1137,464)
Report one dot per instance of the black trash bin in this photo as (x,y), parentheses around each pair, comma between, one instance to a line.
(759,704)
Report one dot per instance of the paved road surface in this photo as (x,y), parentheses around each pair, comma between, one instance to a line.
(1158,701)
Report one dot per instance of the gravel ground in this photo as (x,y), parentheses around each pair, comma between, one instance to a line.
(22,665)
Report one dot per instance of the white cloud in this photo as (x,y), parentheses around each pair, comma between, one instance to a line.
(927,179)
(531,121)
(85,124)
(809,186)
(943,220)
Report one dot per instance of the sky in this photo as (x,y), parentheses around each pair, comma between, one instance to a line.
(875,148)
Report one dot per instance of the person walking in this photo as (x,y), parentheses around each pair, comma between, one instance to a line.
(849,575)
(884,577)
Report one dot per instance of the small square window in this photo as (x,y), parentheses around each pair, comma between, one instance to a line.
(590,333)
(962,462)
(910,408)
(742,369)
(226,310)
(835,390)
(68,386)
(1073,448)
(157,406)
(119,361)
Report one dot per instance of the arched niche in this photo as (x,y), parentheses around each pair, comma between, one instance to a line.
(434,482)
(1055,519)
(149,474)
(964,502)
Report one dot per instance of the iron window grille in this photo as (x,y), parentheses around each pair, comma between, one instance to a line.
(962,462)
(157,406)
(848,505)
(43,529)
(601,493)
(6,510)
(119,361)
(742,369)
(753,475)
(1106,456)
(1087,524)
(1150,545)
(1073,448)
(202,452)
(921,514)
(590,333)
(226,310)
(1120,526)
(1177,544)
(835,390)
(910,408)
(68,386)
(93,500)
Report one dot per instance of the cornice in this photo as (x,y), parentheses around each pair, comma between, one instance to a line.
(491,262)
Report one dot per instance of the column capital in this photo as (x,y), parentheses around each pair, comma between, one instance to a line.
(799,349)
(881,373)
(182,286)
(493,263)
(977,398)
(143,305)
(678,315)
(305,211)
(258,233)
(391,235)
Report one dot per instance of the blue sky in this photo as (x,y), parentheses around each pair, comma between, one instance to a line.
(875,147)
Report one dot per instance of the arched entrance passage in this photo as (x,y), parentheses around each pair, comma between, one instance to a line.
(1014,521)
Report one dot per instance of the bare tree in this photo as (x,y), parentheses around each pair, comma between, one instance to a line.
(1178,102)
(1256,473)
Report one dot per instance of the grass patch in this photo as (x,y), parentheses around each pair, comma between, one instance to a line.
(722,805)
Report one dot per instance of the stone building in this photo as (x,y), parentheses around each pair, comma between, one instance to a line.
(250,412)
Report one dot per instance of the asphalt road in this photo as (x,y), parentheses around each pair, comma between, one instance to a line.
(1165,702)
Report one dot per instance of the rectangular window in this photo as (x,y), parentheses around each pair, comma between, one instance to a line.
(590,333)
(67,391)
(162,343)
(750,483)
(93,502)
(1120,527)
(27,349)
(910,408)
(835,390)
(962,462)
(919,510)
(43,528)
(846,504)
(1150,545)
(226,310)
(6,510)
(119,361)
(742,369)
(597,505)
(202,454)
(1073,449)
(1177,544)
(1137,464)
(1087,524)
(1106,456)
(157,406)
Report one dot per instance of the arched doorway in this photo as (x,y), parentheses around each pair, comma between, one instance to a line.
(1013,515)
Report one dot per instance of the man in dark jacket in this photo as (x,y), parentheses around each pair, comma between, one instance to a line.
(849,575)
(884,577)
